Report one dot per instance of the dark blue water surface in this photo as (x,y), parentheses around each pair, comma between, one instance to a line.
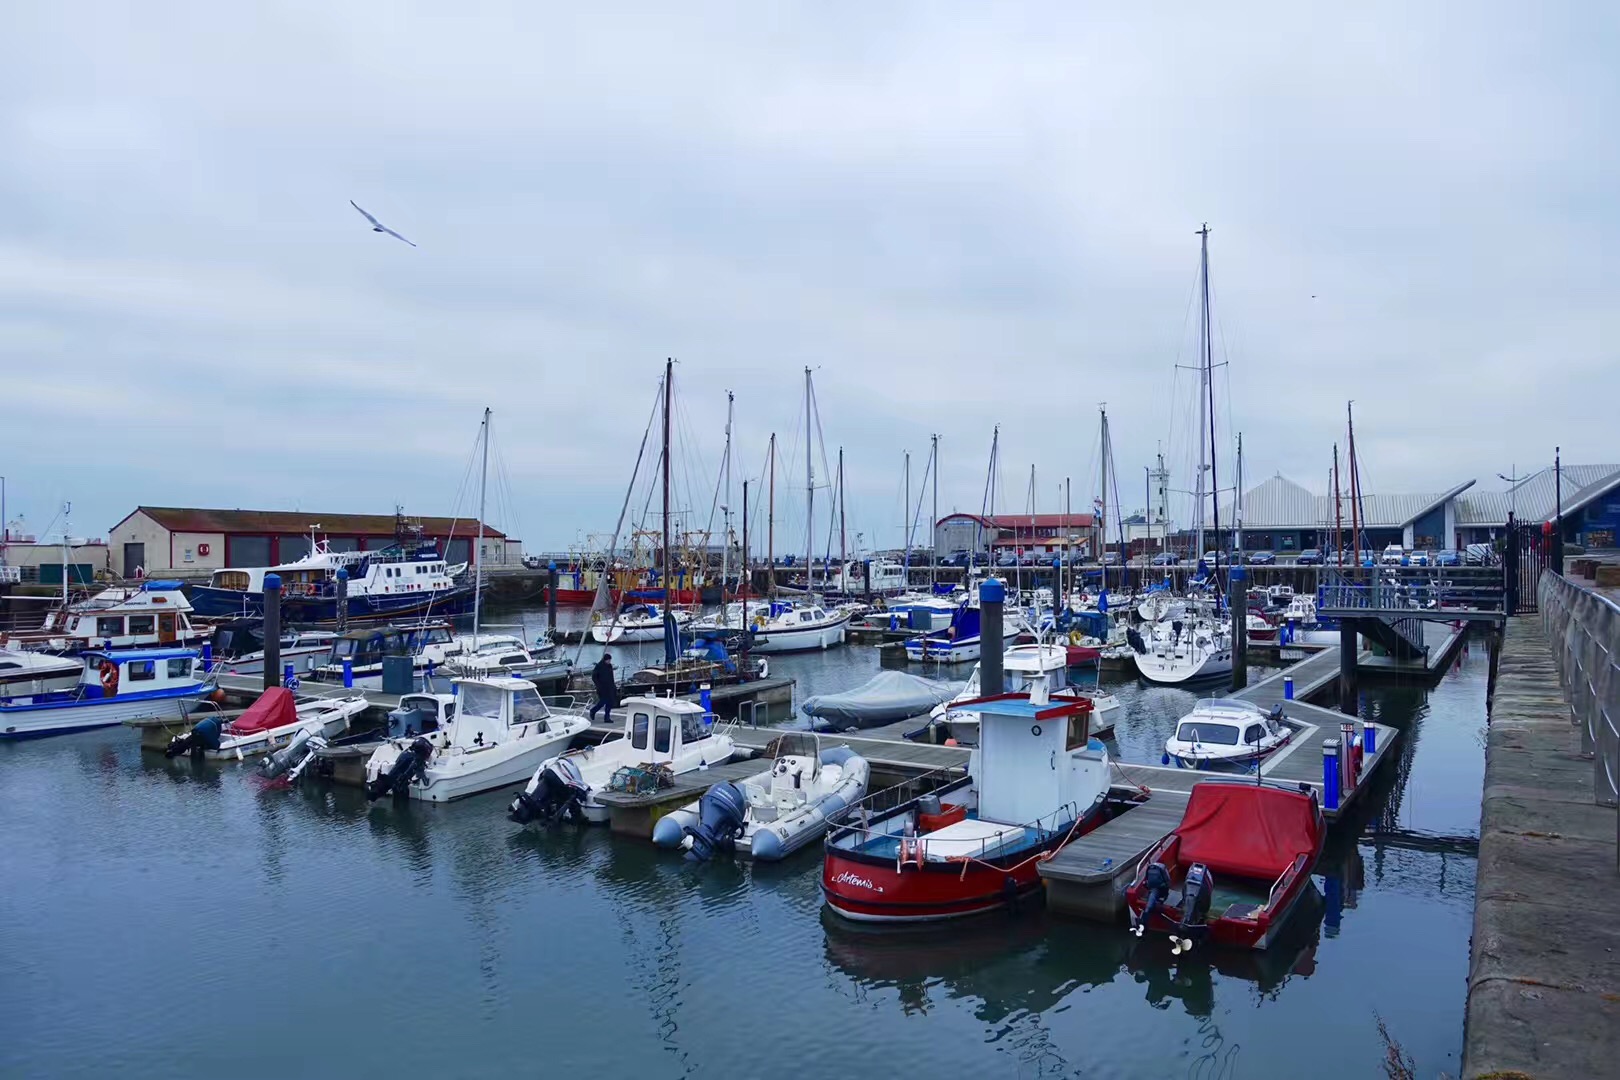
(180,920)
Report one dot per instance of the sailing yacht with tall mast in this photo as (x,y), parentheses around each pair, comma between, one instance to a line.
(1199,644)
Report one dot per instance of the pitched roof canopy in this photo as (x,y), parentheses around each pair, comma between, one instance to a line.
(299,522)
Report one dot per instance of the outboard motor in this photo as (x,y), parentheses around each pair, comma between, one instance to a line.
(1196,894)
(1135,641)
(557,790)
(204,736)
(288,756)
(1157,882)
(316,745)
(721,813)
(407,766)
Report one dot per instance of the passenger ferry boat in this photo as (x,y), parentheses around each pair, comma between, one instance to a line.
(121,617)
(113,687)
(382,585)
(1037,781)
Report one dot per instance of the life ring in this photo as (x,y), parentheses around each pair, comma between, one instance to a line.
(108,672)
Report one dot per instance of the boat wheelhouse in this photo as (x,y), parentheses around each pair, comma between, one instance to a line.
(153,613)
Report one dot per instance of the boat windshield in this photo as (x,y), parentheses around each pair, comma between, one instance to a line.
(481,701)
(1206,732)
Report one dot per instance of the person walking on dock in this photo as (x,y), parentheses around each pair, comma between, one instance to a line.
(607,689)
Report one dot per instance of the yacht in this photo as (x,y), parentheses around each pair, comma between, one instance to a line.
(672,733)
(501,729)
(635,623)
(797,629)
(1178,652)
(153,613)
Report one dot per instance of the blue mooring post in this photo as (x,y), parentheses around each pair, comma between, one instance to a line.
(348,673)
(208,656)
(289,677)
(272,629)
(706,699)
(1288,688)
(1330,774)
(1369,741)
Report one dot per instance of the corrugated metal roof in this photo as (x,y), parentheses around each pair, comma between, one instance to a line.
(1535,498)
(297,523)
(1277,503)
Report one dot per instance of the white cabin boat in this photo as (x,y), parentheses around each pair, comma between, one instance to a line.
(113,687)
(1224,730)
(24,673)
(797,629)
(635,623)
(499,733)
(270,723)
(237,648)
(773,813)
(400,581)
(1179,652)
(153,613)
(670,732)
(887,577)
(1022,667)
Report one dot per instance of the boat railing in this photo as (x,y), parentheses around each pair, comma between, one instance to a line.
(1294,868)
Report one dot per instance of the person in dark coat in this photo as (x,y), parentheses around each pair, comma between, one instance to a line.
(607,688)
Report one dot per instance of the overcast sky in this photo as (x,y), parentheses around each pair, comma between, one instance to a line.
(959,215)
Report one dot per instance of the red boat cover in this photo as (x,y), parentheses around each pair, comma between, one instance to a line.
(275,708)
(1248,830)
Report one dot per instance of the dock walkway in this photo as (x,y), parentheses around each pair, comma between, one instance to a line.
(1544,974)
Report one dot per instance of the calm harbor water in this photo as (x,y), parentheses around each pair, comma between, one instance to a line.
(177,919)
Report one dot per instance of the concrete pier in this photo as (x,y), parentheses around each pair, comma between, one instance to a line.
(1544,974)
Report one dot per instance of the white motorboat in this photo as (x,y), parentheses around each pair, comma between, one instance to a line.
(269,724)
(24,673)
(1177,652)
(113,687)
(153,613)
(797,629)
(733,616)
(773,813)
(887,577)
(504,655)
(959,642)
(635,623)
(1300,625)
(668,732)
(1259,631)
(237,648)
(1226,730)
(499,732)
(1023,667)
(922,611)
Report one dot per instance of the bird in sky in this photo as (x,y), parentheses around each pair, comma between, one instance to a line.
(377,226)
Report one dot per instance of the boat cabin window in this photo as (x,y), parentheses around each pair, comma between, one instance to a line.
(1215,734)
(1078,733)
(109,626)
(230,579)
(142,624)
(661,735)
(1253,734)
(481,701)
(437,636)
(180,667)
(509,661)
(527,707)
(142,670)
(638,731)
(692,728)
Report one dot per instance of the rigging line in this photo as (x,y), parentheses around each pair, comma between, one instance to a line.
(613,544)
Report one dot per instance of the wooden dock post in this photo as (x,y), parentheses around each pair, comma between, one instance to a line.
(1237,598)
(1348,702)
(272,630)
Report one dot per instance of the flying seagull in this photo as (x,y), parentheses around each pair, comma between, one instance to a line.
(377,226)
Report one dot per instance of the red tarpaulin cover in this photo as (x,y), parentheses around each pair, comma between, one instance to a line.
(275,708)
(1247,829)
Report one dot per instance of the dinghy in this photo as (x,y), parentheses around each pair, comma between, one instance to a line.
(887,697)
(269,724)
(774,813)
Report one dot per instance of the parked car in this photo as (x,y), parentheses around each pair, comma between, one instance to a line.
(1478,555)
(1110,558)
(1393,555)
(1420,558)
(1262,558)
(1166,558)
(1006,560)
(1448,558)
(1217,558)
(1309,557)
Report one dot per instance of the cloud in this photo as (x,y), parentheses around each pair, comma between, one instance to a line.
(959,216)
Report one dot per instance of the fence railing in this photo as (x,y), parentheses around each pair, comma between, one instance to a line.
(1584,631)
(1412,588)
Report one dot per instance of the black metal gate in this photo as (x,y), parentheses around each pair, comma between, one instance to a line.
(1526,555)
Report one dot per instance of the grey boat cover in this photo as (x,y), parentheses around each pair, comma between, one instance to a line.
(889,696)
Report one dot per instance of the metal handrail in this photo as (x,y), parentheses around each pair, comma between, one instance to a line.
(1582,627)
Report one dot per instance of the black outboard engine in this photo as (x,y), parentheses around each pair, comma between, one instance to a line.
(288,756)
(1157,882)
(721,813)
(1135,640)
(557,791)
(1196,894)
(204,736)
(407,766)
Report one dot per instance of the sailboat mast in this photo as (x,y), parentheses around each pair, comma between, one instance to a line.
(742,582)
(1066,579)
(1338,508)
(809,492)
(67,552)
(1203,381)
(669,387)
(1237,496)
(905,528)
(478,564)
(933,528)
(1209,390)
(1102,516)
(1355,484)
(770,522)
(843,536)
(725,517)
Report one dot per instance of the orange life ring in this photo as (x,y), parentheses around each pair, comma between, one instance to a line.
(108,671)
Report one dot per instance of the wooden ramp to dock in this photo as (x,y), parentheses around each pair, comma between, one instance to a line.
(1101,854)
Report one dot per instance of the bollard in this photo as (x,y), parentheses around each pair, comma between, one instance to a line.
(348,673)
(1369,740)
(894,622)
(289,677)
(1288,688)
(208,657)
(1235,597)
(272,629)
(1330,774)
(992,595)
(706,699)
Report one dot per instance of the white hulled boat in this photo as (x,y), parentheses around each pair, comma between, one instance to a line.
(1178,652)
(24,673)
(270,723)
(797,629)
(635,623)
(113,687)
(153,613)
(1023,667)
(1226,730)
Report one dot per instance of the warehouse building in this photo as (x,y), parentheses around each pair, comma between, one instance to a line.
(156,541)
(1037,534)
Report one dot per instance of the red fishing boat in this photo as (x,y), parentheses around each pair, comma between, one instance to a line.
(1036,781)
(1234,868)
